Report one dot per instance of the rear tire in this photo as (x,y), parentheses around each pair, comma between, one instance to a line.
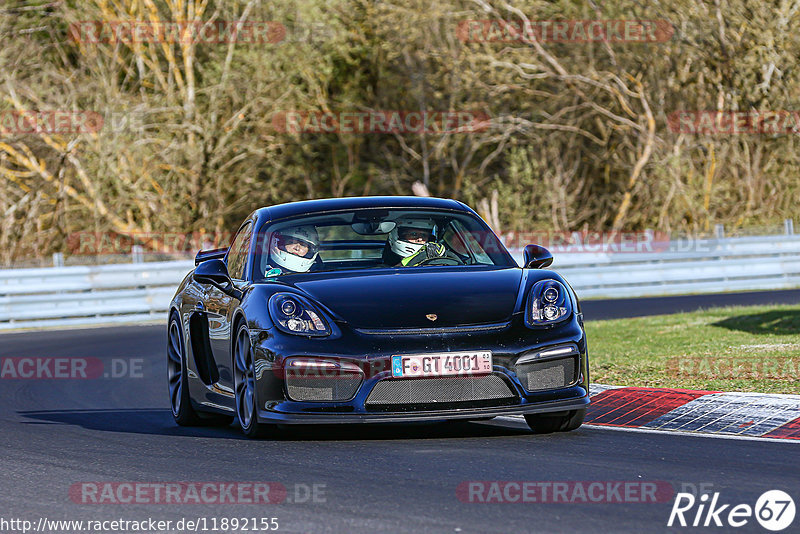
(182,410)
(547,424)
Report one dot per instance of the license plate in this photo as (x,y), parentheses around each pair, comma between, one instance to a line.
(442,364)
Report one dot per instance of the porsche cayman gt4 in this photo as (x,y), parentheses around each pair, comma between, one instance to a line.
(374,309)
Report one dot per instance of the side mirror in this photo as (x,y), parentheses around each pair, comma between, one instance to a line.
(215,272)
(537,257)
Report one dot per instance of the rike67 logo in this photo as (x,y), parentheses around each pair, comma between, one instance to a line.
(774,510)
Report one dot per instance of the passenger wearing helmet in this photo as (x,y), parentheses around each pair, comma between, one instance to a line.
(412,241)
(293,249)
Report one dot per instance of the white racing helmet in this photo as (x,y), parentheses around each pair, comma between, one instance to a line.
(306,235)
(403,248)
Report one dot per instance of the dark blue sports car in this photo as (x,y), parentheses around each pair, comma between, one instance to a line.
(375,309)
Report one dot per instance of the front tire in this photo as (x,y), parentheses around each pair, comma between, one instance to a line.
(547,423)
(245,385)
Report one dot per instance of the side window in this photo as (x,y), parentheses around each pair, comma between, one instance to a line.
(471,242)
(237,255)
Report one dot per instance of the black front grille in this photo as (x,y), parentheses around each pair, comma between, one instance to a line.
(425,391)
(489,327)
(548,374)
(339,387)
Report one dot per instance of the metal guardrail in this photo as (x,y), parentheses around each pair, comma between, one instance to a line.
(61,296)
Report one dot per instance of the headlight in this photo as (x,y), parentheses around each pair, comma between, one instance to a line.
(549,303)
(294,314)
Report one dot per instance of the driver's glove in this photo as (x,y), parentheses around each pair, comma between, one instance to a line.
(429,251)
(435,250)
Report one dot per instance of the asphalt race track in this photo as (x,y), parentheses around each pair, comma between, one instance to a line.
(57,434)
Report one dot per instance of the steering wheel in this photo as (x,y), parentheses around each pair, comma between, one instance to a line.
(443,260)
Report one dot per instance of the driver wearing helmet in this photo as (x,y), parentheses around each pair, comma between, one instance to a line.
(294,249)
(411,242)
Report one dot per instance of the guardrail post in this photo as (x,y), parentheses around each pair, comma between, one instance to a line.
(788,226)
(58,259)
(137,254)
(719,231)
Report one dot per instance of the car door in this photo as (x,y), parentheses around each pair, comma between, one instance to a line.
(220,307)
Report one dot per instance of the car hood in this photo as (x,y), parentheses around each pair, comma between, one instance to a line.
(404,298)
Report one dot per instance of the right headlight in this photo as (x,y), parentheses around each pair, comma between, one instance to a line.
(294,314)
(548,303)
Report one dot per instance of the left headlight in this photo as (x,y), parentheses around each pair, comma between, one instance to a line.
(548,303)
(294,314)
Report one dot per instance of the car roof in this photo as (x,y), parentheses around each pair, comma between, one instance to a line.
(306,207)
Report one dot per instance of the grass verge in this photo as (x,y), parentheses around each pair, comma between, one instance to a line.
(722,349)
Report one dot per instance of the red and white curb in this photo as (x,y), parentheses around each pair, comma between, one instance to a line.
(706,412)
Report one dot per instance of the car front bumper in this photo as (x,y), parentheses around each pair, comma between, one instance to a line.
(373,353)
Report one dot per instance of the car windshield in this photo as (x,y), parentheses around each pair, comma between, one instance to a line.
(376,238)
